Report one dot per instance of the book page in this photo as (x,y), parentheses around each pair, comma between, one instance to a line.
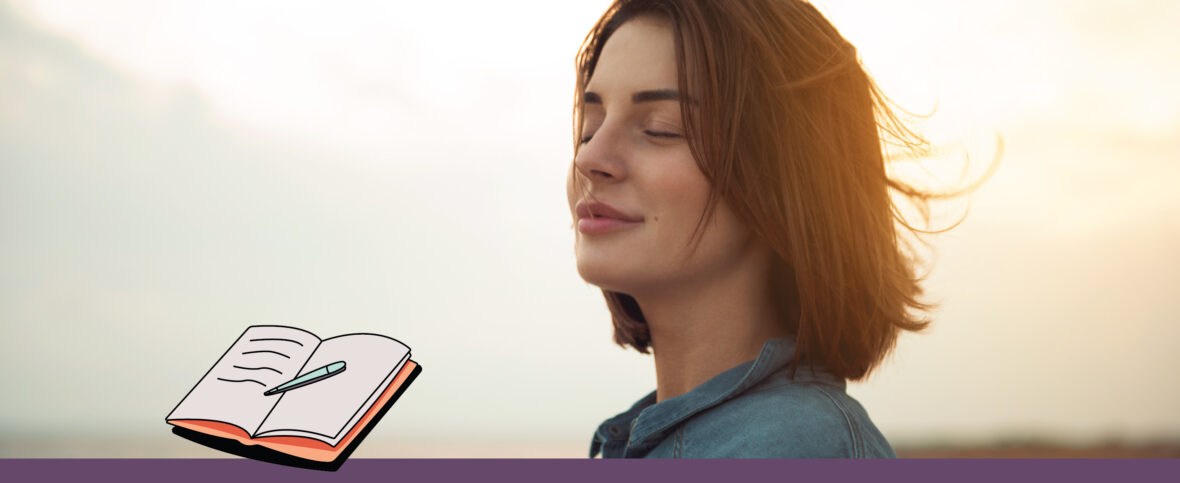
(264,356)
(326,410)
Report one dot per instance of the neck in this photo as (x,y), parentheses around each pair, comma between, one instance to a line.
(701,329)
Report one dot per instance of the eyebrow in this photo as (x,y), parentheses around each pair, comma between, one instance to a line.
(641,96)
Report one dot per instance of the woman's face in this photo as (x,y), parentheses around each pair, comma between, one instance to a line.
(642,191)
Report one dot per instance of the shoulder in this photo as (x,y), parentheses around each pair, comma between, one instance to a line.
(786,420)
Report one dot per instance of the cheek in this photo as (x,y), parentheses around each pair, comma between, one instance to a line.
(729,233)
(682,194)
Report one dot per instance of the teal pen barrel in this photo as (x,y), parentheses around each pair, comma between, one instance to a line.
(308,378)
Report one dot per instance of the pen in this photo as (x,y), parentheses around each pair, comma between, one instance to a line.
(308,378)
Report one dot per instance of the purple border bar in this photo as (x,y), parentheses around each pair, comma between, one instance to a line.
(594,471)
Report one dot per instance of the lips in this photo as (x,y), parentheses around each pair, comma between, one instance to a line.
(602,210)
(599,218)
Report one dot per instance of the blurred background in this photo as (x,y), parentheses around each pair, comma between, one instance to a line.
(173,172)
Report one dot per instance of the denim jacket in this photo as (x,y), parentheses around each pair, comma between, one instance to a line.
(750,411)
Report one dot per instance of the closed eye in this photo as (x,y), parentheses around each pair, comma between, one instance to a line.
(661,134)
(654,134)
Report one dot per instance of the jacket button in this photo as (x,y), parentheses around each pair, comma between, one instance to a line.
(614,430)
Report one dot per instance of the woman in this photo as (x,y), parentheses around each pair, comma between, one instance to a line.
(731,202)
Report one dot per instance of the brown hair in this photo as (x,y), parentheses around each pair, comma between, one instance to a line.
(790,130)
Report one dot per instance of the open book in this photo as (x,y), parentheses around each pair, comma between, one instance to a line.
(315,422)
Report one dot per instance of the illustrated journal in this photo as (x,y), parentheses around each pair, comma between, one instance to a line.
(284,395)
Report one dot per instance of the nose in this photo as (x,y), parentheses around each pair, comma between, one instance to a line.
(602,160)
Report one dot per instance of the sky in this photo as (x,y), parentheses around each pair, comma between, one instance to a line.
(173,172)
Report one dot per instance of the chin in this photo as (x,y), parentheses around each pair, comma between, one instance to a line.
(625,278)
(604,275)
(595,273)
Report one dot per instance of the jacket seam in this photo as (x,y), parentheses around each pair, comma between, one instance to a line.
(678,446)
(768,387)
(763,387)
(857,450)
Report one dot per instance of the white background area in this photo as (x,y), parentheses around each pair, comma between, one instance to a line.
(173,172)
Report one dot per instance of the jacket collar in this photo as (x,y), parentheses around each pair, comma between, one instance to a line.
(646,423)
